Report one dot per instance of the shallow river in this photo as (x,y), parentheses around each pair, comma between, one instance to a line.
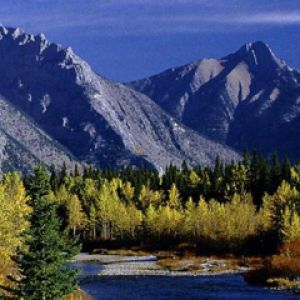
(229,287)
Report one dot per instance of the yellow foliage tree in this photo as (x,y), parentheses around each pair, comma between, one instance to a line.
(174,200)
(14,210)
(291,226)
(127,190)
(75,216)
(150,220)
(281,208)
(147,197)
(190,219)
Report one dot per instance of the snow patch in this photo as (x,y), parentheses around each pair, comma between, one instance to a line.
(90,129)
(45,102)
(20,84)
(17,32)
(254,57)
(65,122)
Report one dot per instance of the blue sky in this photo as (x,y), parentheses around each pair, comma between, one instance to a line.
(129,39)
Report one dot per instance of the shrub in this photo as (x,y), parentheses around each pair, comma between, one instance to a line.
(291,249)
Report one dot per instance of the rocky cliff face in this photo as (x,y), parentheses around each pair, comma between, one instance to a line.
(23,144)
(247,100)
(99,121)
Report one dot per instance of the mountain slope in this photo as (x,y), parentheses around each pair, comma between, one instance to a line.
(23,144)
(100,121)
(248,100)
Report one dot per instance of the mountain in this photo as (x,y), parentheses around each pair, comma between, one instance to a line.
(99,121)
(23,144)
(247,100)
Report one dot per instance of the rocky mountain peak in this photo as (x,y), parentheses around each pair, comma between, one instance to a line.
(15,44)
(247,99)
(99,121)
(257,54)
(14,37)
(258,47)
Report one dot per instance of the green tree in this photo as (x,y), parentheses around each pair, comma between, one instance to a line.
(42,262)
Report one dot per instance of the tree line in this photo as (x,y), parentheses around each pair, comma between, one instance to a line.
(251,206)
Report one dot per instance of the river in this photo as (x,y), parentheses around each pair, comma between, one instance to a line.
(104,282)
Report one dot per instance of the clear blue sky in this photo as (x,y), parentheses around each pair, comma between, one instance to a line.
(129,39)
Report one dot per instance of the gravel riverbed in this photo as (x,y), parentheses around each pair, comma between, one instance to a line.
(119,265)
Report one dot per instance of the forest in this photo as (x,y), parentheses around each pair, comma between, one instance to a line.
(250,207)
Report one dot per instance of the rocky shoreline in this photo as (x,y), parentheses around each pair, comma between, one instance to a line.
(121,265)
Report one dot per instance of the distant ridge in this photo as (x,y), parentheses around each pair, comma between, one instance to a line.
(249,99)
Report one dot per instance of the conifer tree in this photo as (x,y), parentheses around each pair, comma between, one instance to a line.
(76,171)
(286,170)
(42,263)
(276,173)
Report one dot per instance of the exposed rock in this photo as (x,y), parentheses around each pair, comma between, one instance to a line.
(99,121)
(23,144)
(248,100)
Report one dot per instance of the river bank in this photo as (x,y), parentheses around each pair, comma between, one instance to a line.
(156,265)
(111,277)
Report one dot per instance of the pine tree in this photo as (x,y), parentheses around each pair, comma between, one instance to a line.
(63,173)
(76,171)
(42,263)
(276,173)
(217,179)
(54,179)
(286,170)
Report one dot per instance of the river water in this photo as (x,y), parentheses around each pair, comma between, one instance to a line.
(132,287)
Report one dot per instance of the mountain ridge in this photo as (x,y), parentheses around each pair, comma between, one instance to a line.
(101,122)
(235,100)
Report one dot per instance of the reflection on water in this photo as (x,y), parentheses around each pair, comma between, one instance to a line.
(86,268)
